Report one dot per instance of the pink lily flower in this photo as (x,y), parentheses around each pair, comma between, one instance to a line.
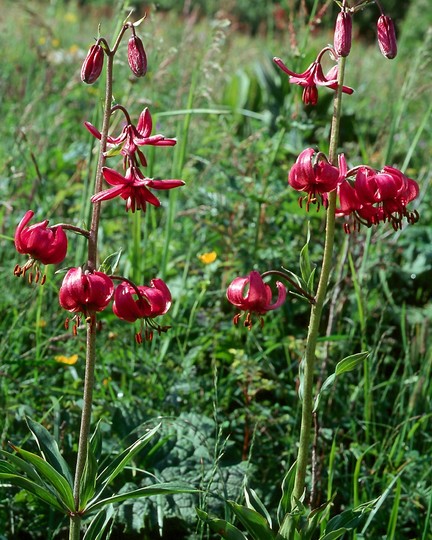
(132,303)
(313,77)
(45,244)
(252,295)
(133,188)
(313,174)
(85,292)
(132,137)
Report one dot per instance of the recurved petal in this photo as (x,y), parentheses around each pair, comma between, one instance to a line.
(107,194)
(145,123)
(282,292)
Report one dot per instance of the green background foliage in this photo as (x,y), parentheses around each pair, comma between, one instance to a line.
(226,398)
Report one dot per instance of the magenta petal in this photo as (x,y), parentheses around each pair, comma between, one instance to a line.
(145,123)
(114,178)
(282,292)
(164,184)
(235,291)
(107,194)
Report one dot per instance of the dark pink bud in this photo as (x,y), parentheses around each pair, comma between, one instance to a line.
(137,57)
(45,244)
(386,37)
(92,66)
(85,292)
(343,33)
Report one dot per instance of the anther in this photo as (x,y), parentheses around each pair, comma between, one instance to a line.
(43,279)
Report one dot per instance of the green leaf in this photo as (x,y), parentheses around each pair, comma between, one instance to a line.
(88,478)
(334,534)
(253,502)
(109,266)
(21,465)
(33,488)
(167,488)
(49,449)
(51,476)
(287,489)
(254,523)
(347,364)
(350,519)
(222,527)
(98,524)
(120,462)
(350,362)
(305,266)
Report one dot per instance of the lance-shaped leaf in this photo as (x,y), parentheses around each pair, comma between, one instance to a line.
(98,525)
(49,449)
(347,364)
(222,527)
(88,478)
(167,488)
(255,524)
(119,463)
(50,476)
(33,488)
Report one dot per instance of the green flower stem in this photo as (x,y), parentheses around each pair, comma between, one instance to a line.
(303,456)
(75,520)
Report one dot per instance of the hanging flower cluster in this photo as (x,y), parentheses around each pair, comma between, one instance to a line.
(314,75)
(85,290)
(366,196)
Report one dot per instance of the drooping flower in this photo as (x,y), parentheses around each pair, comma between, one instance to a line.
(143,302)
(137,58)
(42,243)
(133,188)
(313,77)
(372,197)
(252,295)
(93,63)
(313,174)
(384,196)
(132,137)
(387,37)
(85,292)
(343,33)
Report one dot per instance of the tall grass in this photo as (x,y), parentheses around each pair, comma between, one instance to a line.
(374,425)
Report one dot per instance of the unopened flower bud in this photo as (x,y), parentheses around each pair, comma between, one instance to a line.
(92,66)
(386,37)
(137,57)
(343,33)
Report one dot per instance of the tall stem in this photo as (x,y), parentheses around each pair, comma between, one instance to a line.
(303,456)
(316,311)
(75,520)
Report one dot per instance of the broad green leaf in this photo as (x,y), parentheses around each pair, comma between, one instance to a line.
(109,266)
(88,478)
(98,524)
(49,449)
(222,527)
(120,462)
(21,465)
(347,364)
(334,534)
(254,523)
(33,488)
(350,362)
(287,489)
(350,519)
(167,488)
(253,502)
(51,476)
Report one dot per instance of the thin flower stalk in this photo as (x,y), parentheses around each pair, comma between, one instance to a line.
(75,520)
(316,311)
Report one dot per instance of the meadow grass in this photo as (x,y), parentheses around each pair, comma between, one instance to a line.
(227,399)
